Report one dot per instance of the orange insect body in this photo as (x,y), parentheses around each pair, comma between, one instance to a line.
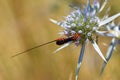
(61,41)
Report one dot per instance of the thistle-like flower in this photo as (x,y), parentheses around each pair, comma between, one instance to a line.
(87,25)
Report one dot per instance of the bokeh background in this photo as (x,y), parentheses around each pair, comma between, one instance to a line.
(25,24)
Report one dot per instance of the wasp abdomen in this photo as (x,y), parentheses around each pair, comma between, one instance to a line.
(61,41)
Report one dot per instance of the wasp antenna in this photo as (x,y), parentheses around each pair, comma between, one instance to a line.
(32,48)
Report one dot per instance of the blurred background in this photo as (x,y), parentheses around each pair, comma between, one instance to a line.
(25,24)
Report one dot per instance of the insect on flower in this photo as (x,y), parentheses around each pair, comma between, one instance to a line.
(79,27)
(59,41)
(86,22)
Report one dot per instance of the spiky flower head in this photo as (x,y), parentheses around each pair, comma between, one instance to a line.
(85,22)
(88,24)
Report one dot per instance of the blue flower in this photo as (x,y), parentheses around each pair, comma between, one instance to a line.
(88,25)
